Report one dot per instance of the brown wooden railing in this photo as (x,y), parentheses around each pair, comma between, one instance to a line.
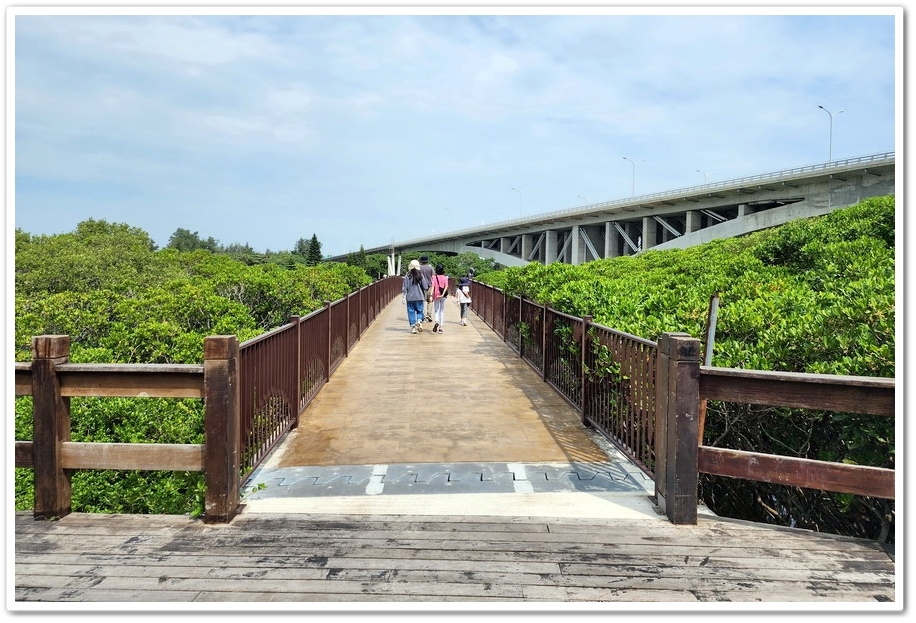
(51,381)
(607,375)
(646,399)
(252,393)
(282,371)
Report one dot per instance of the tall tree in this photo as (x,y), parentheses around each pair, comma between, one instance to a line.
(185,240)
(314,253)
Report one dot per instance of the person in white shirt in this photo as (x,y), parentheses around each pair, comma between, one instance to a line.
(463,292)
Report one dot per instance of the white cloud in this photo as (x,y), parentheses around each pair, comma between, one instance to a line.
(372,126)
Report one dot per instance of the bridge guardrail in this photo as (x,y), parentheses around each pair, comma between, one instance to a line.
(879,158)
(645,398)
(253,393)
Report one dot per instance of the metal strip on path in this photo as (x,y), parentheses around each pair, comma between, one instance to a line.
(549,489)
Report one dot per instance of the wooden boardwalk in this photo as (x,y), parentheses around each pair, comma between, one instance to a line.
(358,558)
(377,538)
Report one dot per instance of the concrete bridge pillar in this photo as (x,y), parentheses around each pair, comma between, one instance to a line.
(649,231)
(693,221)
(576,248)
(550,246)
(744,210)
(505,244)
(632,229)
(526,246)
(611,242)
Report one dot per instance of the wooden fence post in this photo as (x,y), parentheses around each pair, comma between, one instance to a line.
(583,389)
(51,427)
(505,316)
(676,421)
(221,428)
(297,320)
(544,341)
(521,338)
(327,347)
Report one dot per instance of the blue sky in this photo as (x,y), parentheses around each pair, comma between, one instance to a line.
(367,129)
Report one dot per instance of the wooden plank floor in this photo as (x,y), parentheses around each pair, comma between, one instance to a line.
(377,558)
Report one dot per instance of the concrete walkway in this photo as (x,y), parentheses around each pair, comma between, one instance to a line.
(410,420)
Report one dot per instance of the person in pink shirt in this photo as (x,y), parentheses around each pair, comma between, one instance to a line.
(440,291)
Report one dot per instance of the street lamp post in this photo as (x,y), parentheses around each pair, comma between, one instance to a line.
(633,188)
(519,201)
(705,175)
(583,197)
(830,148)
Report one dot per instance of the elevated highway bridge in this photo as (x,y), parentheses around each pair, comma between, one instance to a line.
(666,220)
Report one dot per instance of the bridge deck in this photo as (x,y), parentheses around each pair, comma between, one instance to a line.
(461,478)
(408,421)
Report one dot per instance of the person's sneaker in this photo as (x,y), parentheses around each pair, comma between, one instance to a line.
(463,323)
(439,330)
(435,327)
(413,329)
(419,327)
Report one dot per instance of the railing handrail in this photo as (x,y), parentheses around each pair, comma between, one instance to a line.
(623,334)
(802,377)
(838,393)
(267,334)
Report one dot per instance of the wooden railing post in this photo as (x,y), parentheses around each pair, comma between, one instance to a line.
(505,316)
(221,428)
(51,427)
(297,320)
(583,385)
(544,341)
(327,334)
(521,338)
(676,422)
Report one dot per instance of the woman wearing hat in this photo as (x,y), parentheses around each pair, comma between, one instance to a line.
(414,294)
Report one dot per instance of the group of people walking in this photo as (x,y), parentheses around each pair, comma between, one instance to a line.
(424,292)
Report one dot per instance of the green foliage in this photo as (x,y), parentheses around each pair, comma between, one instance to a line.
(374,264)
(313,256)
(454,265)
(827,305)
(98,255)
(139,492)
(123,301)
(184,240)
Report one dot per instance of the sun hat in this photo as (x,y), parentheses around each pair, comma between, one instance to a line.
(413,264)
